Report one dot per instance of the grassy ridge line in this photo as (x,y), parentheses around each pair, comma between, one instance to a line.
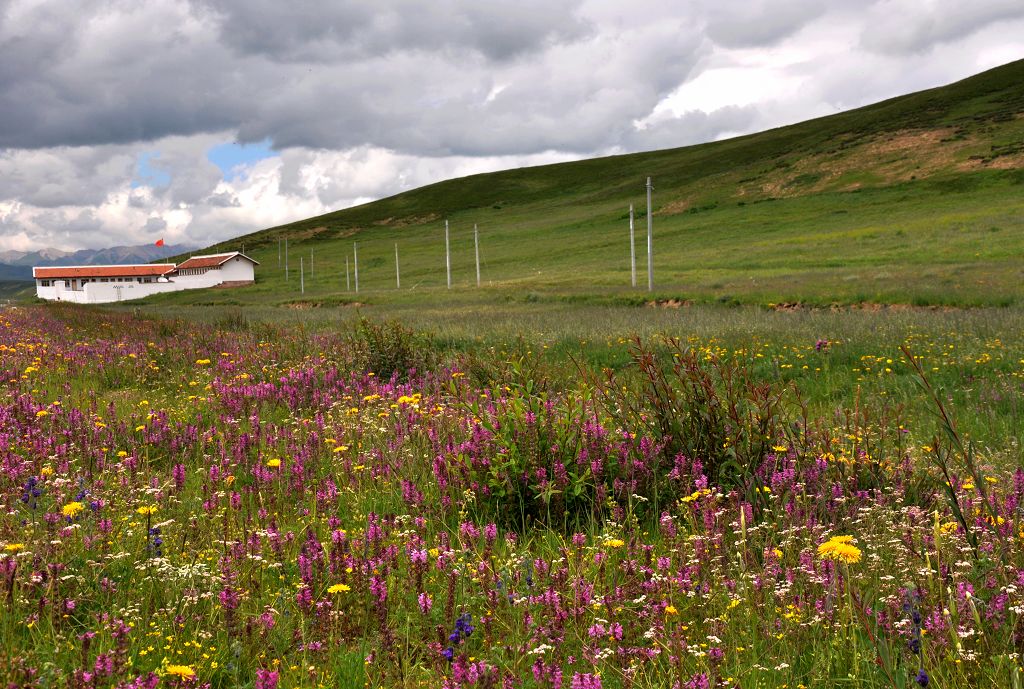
(999,88)
(913,200)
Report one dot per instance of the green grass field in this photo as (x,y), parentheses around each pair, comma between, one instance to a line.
(917,200)
(796,463)
(265,497)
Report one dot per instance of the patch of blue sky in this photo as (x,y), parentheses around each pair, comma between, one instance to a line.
(147,175)
(233,158)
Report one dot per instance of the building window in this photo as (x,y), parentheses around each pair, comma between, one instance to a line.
(44,283)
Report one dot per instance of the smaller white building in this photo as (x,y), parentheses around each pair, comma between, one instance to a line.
(224,270)
(105,284)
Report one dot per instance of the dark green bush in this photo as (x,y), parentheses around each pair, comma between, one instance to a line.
(389,348)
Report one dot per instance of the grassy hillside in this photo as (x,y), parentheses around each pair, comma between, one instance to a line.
(16,290)
(918,199)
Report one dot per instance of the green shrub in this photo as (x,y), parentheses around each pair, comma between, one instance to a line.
(389,348)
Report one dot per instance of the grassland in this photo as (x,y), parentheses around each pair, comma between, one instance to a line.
(555,481)
(979,352)
(917,200)
(267,497)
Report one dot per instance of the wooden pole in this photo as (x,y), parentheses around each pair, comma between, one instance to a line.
(286,259)
(398,275)
(302,277)
(355,259)
(348,285)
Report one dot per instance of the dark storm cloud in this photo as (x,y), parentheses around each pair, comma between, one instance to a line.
(118,73)
(913,26)
(192,178)
(691,128)
(65,176)
(155,225)
(583,97)
(760,22)
(222,199)
(80,222)
(109,108)
(445,78)
(324,32)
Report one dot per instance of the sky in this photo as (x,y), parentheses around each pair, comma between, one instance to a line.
(127,121)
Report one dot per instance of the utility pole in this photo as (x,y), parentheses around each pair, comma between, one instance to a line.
(355,259)
(632,249)
(286,259)
(302,277)
(447,256)
(278,253)
(348,285)
(398,276)
(650,240)
(476,248)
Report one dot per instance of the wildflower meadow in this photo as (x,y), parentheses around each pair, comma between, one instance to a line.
(198,504)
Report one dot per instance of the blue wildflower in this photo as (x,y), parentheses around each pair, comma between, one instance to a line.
(464,624)
(463,628)
(154,542)
(31,491)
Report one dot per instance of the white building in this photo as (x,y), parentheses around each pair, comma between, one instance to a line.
(104,284)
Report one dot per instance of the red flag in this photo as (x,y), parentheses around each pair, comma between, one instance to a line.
(160,242)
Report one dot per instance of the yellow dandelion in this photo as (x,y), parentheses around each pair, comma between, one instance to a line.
(182,671)
(339,588)
(671,610)
(840,549)
(147,509)
(201,362)
(615,543)
(273,463)
(14,547)
(41,413)
(72,509)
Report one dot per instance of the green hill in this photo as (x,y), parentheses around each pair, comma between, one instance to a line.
(918,199)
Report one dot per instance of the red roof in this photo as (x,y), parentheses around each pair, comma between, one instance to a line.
(212,261)
(149,269)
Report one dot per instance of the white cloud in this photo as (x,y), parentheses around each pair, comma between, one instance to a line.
(361,101)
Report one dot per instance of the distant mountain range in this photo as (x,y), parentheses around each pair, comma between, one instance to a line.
(17,265)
